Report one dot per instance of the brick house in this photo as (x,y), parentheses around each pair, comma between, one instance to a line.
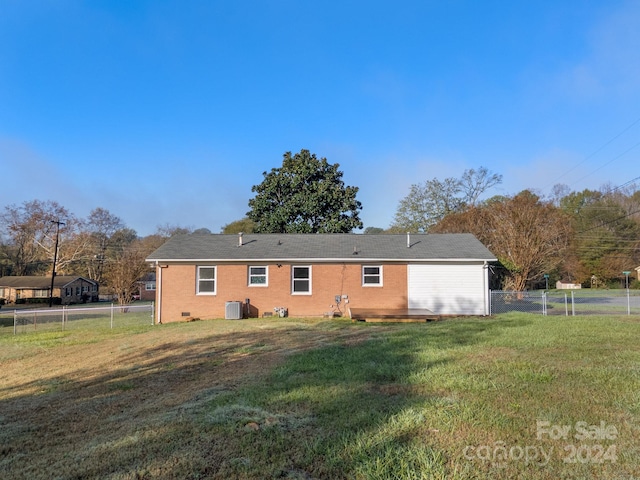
(147,287)
(213,275)
(69,288)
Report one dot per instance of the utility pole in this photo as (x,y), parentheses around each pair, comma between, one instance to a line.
(55,259)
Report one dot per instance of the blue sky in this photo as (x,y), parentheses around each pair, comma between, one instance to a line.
(168,112)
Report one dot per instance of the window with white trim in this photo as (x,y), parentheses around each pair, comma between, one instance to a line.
(41,293)
(371,275)
(206,281)
(301,280)
(258,276)
(149,286)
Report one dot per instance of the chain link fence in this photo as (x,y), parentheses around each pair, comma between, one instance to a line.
(503,301)
(69,318)
(567,302)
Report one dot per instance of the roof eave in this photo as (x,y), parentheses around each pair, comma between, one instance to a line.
(317,260)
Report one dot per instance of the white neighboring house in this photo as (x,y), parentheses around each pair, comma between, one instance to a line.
(560,285)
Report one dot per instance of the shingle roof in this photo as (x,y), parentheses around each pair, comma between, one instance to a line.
(60,281)
(322,247)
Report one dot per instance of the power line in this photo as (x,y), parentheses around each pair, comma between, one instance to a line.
(598,150)
(609,222)
(602,209)
(608,163)
(626,184)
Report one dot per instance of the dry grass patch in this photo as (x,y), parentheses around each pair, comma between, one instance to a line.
(128,405)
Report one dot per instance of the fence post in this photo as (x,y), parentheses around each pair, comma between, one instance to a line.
(153,309)
(490,295)
(63,318)
(112,315)
(544,304)
(573,305)
(628,303)
(566,305)
(15,322)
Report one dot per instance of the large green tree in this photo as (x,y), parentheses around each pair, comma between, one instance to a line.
(243,225)
(607,239)
(305,195)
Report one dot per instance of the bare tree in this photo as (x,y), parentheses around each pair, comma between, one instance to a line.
(167,230)
(125,269)
(475,182)
(428,203)
(32,229)
(101,226)
(558,192)
(126,264)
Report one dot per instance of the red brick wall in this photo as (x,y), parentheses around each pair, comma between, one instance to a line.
(180,302)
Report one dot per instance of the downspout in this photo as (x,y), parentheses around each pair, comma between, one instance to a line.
(158,293)
(485,277)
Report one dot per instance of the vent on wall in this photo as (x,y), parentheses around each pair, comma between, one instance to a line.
(233,311)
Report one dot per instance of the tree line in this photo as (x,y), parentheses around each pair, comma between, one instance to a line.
(100,247)
(588,237)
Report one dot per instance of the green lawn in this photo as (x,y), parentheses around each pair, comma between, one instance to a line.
(516,396)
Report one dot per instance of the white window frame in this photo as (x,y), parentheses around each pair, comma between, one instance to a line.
(150,286)
(259,275)
(214,279)
(40,293)
(293,279)
(370,275)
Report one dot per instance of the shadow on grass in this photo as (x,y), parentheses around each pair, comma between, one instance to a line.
(300,403)
(346,411)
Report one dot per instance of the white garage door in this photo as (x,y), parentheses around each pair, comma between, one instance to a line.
(449,289)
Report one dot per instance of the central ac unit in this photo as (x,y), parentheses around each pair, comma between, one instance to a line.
(233,311)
